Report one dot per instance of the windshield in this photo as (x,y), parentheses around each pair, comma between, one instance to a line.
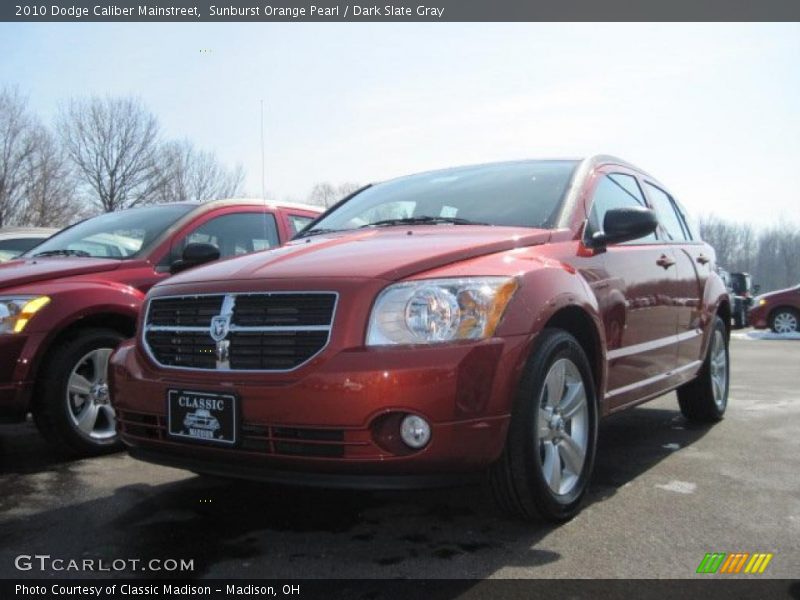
(518,194)
(123,234)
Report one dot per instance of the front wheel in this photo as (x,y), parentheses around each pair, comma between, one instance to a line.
(72,408)
(785,320)
(546,465)
(705,398)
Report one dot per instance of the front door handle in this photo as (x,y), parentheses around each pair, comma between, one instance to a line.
(665,261)
(703,259)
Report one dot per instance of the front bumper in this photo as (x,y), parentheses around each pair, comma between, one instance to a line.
(329,480)
(15,388)
(757,317)
(335,423)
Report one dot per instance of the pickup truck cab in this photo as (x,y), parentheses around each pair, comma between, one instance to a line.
(67,303)
(477,320)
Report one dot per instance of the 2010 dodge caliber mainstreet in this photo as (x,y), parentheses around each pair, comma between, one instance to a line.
(472,320)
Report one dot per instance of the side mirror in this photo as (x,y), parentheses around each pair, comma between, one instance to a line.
(625,224)
(756,288)
(194,255)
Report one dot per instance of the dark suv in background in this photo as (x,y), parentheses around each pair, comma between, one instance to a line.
(741,285)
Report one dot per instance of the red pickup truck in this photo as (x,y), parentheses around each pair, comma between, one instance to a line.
(67,303)
(477,319)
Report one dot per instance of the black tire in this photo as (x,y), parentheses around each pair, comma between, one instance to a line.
(50,408)
(739,320)
(784,311)
(517,481)
(697,398)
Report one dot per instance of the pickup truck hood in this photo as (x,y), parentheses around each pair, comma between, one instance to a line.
(30,270)
(384,253)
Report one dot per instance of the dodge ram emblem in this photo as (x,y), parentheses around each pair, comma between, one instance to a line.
(219,327)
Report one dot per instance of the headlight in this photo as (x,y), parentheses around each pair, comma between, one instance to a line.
(15,312)
(431,311)
(762,301)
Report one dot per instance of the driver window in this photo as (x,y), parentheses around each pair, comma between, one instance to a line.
(233,234)
(615,190)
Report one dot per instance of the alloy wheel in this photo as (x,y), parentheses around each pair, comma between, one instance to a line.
(785,322)
(719,369)
(563,430)
(88,400)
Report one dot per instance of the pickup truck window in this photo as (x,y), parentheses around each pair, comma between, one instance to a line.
(234,234)
(122,234)
(519,194)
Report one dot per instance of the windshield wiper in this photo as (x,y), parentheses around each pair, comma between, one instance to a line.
(423,220)
(63,252)
(315,231)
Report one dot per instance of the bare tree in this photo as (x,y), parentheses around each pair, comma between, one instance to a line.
(17,144)
(49,187)
(326,194)
(770,255)
(113,143)
(192,174)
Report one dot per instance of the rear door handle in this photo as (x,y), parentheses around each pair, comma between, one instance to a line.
(703,259)
(665,261)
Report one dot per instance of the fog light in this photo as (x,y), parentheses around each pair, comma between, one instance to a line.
(415,431)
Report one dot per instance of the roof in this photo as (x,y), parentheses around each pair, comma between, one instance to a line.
(233,202)
(254,202)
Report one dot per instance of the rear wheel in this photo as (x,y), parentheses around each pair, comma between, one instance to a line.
(784,320)
(706,398)
(72,407)
(549,455)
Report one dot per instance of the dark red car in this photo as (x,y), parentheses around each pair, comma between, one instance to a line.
(779,310)
(66,304)
(472,320)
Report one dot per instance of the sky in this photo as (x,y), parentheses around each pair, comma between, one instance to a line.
(712,110)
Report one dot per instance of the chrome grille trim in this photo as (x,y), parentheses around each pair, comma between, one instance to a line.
(228,305)
(245,328)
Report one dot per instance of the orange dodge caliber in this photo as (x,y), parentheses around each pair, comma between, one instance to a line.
(475,320)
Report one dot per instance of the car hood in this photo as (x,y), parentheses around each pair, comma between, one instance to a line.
(779,293)
(30,270)
(391,253)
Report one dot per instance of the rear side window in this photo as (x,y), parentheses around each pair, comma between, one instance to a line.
(688,222)
(615,190)
(668,215)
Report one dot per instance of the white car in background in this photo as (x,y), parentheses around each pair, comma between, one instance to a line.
(17,240)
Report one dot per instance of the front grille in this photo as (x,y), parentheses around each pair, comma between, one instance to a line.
(293,441)
(276,331)
(183,349)
(265,350)
(261,439)
(287,309)
(184,312)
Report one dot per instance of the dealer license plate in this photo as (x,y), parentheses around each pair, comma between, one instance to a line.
(203,417)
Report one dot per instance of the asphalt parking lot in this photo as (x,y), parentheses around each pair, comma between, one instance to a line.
(664,494)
